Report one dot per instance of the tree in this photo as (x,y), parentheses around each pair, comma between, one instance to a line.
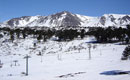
(120,33)
(128,33)
(82,34)
(24,34)
(12,35)
(109,33)
(39,37)
(17,31)
(126,53)
(50,33)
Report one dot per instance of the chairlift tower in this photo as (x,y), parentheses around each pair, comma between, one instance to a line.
(26,57)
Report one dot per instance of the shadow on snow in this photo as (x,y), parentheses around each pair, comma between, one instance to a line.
(115,72)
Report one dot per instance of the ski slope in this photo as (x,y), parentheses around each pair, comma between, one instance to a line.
(61,60)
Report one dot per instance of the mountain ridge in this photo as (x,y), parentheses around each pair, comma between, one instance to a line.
(66,19)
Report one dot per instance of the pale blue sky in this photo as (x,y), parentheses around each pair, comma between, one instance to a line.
(16,8)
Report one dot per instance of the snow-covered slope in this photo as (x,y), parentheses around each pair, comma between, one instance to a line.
(66,18)
(115,20)
(62,61)
(106,20)
(59,19)
(21,21)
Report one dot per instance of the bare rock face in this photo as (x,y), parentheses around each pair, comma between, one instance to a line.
(103,20)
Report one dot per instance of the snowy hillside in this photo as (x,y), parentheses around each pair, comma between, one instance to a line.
(66,18)
(61,60)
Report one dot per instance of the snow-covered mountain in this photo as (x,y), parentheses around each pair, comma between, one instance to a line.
(66,18)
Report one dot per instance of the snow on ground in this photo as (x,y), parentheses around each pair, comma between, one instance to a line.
(61,60)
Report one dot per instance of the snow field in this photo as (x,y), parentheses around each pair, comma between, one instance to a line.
(62,61)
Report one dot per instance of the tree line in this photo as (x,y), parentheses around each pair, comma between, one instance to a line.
(102,35)
(110,34)
(43,34)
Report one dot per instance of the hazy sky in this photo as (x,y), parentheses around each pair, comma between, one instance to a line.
(16,8)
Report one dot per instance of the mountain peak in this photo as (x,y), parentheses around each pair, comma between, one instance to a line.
(65,12)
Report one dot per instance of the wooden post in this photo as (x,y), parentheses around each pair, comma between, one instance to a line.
(59,55)
(1,64)
(89,47)
(41,55)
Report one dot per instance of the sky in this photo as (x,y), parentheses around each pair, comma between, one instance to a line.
(17,8)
